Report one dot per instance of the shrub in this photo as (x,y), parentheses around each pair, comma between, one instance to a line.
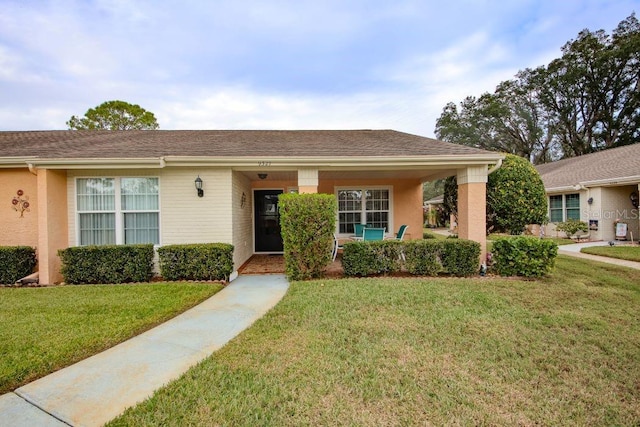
(460,257)
(422,258)
(515,196)
(107,264)
(307,224)
(366,258)
(16,262)
(523,256)
(572,226)
(204,261)
(427,235)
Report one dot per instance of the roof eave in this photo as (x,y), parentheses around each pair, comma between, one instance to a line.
(254,162)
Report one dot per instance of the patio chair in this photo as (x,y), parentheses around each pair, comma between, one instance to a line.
(357,230)
(370,234)
(400,234)
(336,246)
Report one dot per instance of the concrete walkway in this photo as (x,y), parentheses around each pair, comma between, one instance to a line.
(98,389)
(574,250)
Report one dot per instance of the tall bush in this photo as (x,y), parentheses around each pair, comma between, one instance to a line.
(16,262)
(307,224)
(515,196)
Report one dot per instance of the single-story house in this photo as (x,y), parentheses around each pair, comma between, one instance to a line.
(69,188)
(600,189)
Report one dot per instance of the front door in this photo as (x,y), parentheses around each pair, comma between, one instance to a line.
(267,221)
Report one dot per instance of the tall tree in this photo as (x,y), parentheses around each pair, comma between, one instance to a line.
(115,115)
(584,101)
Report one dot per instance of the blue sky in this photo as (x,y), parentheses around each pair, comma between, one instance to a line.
(276,64)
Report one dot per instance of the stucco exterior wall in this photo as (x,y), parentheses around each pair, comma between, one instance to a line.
(616,205)
(242,219)
(52,224)
(14,229)
(609,204)
(406,197)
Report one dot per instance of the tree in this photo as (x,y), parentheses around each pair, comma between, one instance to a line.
(515,196)
(115,115)
(586,100)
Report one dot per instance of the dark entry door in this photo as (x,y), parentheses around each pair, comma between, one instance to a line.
(267,221)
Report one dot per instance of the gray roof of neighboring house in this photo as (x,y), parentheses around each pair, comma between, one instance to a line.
(435,201)
(225,143)
(622,163)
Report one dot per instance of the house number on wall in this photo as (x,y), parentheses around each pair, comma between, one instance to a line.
(262,164)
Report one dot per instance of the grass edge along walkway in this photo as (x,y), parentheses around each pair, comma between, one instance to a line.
(564,350)
(45,329)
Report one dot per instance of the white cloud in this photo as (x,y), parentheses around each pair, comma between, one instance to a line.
(275,64)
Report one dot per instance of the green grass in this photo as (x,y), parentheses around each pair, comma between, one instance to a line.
(629,253)
(561,351)
(435,235)
(45,329)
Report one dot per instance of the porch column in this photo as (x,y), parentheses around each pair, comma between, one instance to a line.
(52,223)
(307,181)
(472,206)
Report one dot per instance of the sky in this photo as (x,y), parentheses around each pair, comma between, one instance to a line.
(263,64)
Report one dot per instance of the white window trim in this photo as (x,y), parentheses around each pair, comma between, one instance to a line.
(363,209)
(118,212)
(564,205)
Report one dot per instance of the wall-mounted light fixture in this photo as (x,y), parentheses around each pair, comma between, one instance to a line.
(590,200)
(262,175)
(199,186)
(635,199)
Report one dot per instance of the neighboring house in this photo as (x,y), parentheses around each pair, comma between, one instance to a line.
(115,187)
(600,189)
(431,209)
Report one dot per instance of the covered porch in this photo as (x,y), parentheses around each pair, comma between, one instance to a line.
(381,192)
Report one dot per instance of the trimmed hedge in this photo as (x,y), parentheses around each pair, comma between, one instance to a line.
(366,258)
(523,256)
(460,257)
(429,257)
(107,264)
(16,262)
(307,224)
(422,257)
(207,261)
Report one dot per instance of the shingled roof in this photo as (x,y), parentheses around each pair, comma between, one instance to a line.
(616,164)
(225,143)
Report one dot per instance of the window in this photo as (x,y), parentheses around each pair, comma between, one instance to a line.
(118,210)
(363,206)
(564,207)
(555,209)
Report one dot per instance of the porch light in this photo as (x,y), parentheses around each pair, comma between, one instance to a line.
(199,186)
(262,175)
(635,199)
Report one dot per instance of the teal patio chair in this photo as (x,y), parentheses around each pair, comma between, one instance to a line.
(401,232)
(357,229)
(370,234)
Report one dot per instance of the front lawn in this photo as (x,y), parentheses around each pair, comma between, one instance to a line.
(630,253)
(45,329)
(388,351)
